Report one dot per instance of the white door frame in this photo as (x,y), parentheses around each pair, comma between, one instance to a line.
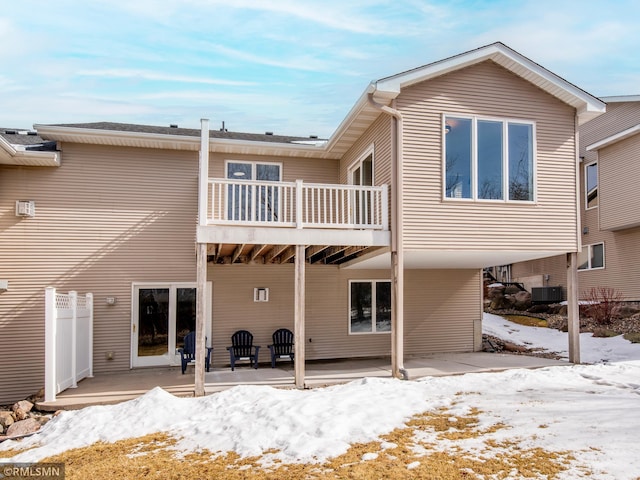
(167,359)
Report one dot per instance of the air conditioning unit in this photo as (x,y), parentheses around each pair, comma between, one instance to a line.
(25,208)
(546,295)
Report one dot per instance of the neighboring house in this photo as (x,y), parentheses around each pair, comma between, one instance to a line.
(371,243)
(609,207)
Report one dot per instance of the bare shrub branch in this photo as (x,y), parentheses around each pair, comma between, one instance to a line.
(603,304)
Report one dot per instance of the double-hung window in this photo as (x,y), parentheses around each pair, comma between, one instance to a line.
(591,257)
(369,306)
(488,159)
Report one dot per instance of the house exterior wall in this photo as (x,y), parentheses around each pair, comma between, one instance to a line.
(440,310)
(619,202)
(431,222)
(378,135)
(105,218)
(618,207)
(293,168)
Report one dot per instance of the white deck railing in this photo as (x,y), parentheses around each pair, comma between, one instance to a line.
(296,205)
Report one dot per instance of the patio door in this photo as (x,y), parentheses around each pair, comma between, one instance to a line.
(248,200)
(361,173)
(162,314)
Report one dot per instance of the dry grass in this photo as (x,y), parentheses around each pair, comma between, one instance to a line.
(526,320)
(401,454)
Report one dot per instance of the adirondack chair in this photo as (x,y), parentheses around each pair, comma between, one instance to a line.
(188,352)
(242,348)
(282,346)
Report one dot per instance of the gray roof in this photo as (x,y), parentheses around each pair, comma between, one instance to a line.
(188,132)
(27,138)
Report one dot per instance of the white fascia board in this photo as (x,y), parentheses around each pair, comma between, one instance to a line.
(586,105)
(10,155)
(605,142)
(621,98)
(176,142)
(292,236)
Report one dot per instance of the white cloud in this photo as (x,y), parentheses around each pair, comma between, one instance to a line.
(161,77)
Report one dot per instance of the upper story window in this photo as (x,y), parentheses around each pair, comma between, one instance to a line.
(253,202)
(591,185)
(488,159)
(591,257)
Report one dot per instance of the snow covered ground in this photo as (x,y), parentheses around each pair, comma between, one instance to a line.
(591,410)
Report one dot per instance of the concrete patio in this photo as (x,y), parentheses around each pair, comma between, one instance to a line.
(106,389)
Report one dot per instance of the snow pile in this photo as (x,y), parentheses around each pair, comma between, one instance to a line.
(588,409)
(592,349)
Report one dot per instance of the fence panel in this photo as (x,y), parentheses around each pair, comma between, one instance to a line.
(68,340)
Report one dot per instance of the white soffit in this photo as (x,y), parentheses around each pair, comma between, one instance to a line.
(451,259)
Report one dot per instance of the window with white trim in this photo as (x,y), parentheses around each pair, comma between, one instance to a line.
(369,306)
(361,173)
(591,185)
(591,257)
(488,159)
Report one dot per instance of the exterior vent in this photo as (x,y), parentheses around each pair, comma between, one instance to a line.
(314,137)
(25,208)
(173,125)
(268,133)
(546,294)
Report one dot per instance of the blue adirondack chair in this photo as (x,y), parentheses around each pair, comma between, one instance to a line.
(188,352)
(282,346)
(242,348)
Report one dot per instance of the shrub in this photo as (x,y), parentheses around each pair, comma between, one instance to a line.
(603,304)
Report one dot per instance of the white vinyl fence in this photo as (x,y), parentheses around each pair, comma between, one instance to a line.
(68,341)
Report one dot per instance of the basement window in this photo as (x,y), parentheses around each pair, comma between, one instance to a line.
(591,257)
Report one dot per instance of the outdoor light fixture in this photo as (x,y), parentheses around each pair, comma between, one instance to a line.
(260,294)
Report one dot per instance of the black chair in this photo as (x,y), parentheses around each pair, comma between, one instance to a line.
(282,346)
(242,348)
(188,352)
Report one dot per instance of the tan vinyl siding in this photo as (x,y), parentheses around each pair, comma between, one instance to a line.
(555,267)
(619,117)
(440,309)
(618,169)
(622,263)
(104,219)
(490,91)
(378,135)
(307,169)
(441,306)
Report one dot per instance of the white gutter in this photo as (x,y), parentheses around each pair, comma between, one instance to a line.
(397,253)
(10,155)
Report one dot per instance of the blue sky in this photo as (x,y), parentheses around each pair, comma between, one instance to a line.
(291,66)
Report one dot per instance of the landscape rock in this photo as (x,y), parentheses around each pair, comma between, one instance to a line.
(501,303)
(23,405)
(23,427)
(495,290)
(522,300)
(6,419)
(511,290)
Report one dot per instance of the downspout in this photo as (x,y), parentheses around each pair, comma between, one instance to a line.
(397,254)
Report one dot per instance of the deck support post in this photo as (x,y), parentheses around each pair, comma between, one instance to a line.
(299,315)
(573,310)
(201,311)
